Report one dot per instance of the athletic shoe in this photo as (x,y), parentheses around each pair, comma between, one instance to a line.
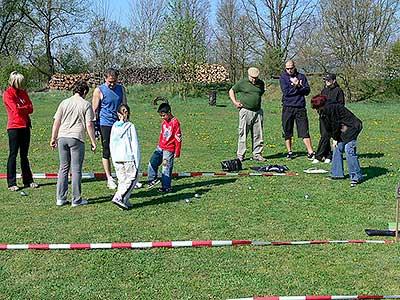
(61,202)
(353,183)
(32,185)
(164,190)
(138,185)
(327,161)
(290,155)
(153,183)
(259,158)
(79,203)
(311,156)
(13,188)
(334,178)
(240,157)
(111,184)
(119,203)
(315,161)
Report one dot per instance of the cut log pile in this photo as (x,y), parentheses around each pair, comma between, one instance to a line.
(206,73)
(66,81)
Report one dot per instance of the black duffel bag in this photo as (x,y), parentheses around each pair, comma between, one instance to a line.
(231,165)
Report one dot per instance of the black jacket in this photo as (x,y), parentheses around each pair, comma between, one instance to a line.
(334,93)
(341,122)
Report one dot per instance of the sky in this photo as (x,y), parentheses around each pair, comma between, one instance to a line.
(120,10)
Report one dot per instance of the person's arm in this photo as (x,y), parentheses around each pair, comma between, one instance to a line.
(340,97)
(304,87)
(232,96)
(287,88)
(54,133)
(178,139)
(135,146)
(96,99)
(90,131)
(124,101)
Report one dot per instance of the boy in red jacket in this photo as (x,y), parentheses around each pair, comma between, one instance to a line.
(168,148)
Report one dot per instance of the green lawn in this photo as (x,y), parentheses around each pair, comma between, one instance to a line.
(274,210)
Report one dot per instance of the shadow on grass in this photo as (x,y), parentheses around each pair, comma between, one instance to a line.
(283,155)
(371,155)
(373,172)
(160,198)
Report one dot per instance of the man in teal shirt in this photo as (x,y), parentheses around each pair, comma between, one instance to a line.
(250,90)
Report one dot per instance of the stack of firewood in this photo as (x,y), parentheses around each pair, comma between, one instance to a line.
(211,73)
(66,81)
(144,75)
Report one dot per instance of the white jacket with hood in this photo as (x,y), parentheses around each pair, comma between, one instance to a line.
(124,144)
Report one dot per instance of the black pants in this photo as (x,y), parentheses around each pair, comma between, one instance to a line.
(324,145)
(19,139)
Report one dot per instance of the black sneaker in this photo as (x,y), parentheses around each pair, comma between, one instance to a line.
(153,183)
(290,155)
(164,190)
(311,156)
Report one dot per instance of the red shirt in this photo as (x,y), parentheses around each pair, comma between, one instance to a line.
(18,106)
(170,136)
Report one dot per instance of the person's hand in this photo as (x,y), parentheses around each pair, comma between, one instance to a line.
(165,162)
(334,144)
(93,147)
(238,105)
(53,144)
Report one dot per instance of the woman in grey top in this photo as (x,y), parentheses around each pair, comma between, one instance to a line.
(74,116)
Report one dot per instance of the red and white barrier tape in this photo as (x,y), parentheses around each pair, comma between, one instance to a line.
(177,244)
(333,297)
(183,174)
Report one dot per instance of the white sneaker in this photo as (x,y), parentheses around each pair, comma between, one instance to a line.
(61,202)
(138,185)
(327,161)
(119,203)
(82,202)
(111,184)
(315,161)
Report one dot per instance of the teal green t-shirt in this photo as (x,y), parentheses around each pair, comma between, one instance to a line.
(249,93)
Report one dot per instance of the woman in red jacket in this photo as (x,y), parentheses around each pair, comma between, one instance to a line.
(19,107)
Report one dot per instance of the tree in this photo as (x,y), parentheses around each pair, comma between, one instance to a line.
(49,22)
(10,18)
(233,38)
(276,23)
(146,19)
(183,41)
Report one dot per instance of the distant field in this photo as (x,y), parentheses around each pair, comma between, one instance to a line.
(275,209)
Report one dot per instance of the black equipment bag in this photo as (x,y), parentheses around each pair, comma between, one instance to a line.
(231,165)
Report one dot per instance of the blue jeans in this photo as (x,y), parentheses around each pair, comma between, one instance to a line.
(155,161)
(352,161)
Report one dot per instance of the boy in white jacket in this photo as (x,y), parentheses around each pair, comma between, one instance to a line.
(125,154)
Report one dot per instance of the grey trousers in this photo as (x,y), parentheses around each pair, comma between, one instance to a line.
(250,121)
(72,153)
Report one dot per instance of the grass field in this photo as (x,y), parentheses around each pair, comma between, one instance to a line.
(274,210)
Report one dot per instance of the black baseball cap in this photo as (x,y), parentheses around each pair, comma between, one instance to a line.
(329,76)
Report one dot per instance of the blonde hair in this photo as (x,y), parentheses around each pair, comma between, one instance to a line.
(16,79)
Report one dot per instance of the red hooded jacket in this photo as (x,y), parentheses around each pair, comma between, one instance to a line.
(18,106)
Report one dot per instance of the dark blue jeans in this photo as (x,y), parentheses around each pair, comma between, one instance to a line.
(155,161)
(18,139)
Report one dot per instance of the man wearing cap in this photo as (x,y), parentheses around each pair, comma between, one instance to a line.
(295,87)
(334,94)
(250,90)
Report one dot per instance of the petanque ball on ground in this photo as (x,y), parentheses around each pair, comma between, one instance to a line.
(197,195)
(307,196)
(250,187)
(23,193)
(187,200)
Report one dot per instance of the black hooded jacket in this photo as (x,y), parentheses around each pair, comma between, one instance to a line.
(334,93)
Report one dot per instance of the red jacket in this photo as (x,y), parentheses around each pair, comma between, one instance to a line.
(19,107)
(170,136)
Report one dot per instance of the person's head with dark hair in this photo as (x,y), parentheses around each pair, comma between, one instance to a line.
(318,101)
(124,112)
(111,77)
(81,87)
(165,111)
